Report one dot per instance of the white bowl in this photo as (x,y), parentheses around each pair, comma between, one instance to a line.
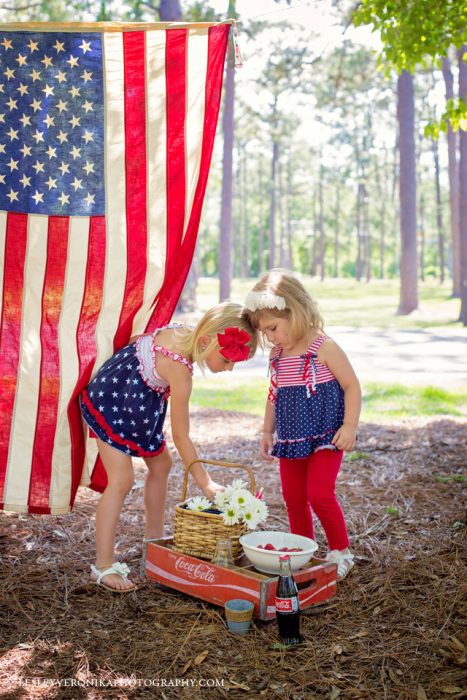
(268,560)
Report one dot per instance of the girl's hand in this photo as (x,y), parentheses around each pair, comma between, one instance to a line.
(345,438)
(211,489)
(266,445)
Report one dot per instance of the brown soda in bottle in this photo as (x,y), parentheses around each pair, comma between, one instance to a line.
(287,604)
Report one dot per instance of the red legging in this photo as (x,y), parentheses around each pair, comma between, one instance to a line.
(308,484)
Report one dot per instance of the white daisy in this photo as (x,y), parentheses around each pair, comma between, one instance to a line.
(250,518)
(221,499)
(199,503)
(230,516)
(241,498)
(238,484)
(261,510)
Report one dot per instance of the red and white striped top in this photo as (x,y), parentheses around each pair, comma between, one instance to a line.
(299,370)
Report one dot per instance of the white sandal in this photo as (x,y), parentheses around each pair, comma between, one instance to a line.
(345,562)
(118,568)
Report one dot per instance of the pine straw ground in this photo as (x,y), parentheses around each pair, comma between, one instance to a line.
(393,631)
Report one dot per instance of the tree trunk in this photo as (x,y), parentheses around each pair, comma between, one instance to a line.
(463,189)
(225,244)
(261,219)
(453,169)
(246,218)
(408,299)
(289,213)
(422,237)
(358,225)
(170,11)
(336,230)
(439,211)
(282,234)
(272,207)
(314,240)
(321,224)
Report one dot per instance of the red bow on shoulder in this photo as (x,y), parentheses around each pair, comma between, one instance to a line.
(233,344)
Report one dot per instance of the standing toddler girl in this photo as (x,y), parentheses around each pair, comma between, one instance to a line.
(125,406)
(313,407)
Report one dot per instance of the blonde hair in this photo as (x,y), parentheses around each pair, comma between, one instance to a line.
(300,309)
(225,315)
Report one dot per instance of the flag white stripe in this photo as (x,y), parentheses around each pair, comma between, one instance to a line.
(156,171)
(27,390)
(197,64)
(115,204)
(75,277)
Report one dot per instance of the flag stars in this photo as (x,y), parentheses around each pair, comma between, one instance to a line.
(38,167)
(75,153)
(33,46)
(64,199)
(49,121)
(61,77)
(73,61)
(26,150)
(51,152)
(47,61)
(35,75)
(87,106)
(65,168)
(85,46)
(62,106)
(13,164)
(12,196)
(7,44)
(36,105)
(62,136)
(2,180)
(12,133)
(51,183)
(58,46)
(12,104)
(74,91)
(25,120)
(48,90)
(25,181)
(22,89)
(77,184)
(39,136)
(9,73)
(87,136)
(86,76)
(89,199)
(2,118)
(2,148)
(38,197)
(88,168)
(74,121)
(21,60)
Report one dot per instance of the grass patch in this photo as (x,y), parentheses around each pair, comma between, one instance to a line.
(345,302)
(379,400)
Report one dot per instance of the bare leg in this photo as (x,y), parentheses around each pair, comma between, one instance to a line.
(119,470)
(155,493)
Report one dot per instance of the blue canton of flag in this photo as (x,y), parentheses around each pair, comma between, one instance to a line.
(51,123)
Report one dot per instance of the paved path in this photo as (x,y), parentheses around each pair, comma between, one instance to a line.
(428,356)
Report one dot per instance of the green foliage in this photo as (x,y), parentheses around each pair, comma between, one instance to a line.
(419,33)
(412,30)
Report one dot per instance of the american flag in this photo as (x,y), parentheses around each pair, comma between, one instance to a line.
(106,136)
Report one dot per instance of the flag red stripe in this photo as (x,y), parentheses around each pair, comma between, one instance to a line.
(85,340)
(173,284)
(176,50)
(49,383)
(136,181)
(10,329)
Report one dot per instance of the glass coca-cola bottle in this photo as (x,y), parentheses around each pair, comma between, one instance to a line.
(287,605)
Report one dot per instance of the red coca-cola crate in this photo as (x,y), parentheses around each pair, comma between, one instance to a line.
(216,584)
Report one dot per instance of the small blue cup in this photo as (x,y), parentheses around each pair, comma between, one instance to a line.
(239,613)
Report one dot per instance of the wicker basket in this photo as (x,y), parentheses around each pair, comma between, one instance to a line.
(196,533)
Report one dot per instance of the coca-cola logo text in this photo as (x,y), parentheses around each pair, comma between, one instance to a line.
(197,572)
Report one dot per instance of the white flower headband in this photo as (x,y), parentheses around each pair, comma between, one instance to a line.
(264,300)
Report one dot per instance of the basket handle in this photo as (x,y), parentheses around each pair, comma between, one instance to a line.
(227,465)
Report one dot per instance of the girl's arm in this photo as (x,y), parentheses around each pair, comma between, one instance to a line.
(180,382)
(335,358)
(269,425)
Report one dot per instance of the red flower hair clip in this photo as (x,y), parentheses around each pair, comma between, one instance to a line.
(233,344)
